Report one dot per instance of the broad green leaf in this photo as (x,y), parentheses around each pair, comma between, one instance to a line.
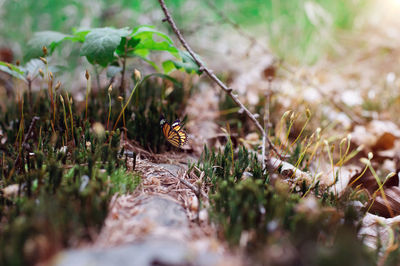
(50,39)
(31,68)
(100,44)
(142,32)
(113,70)
(147,43)
(12,70)
(187,64)
(152,45)
(168,66)
(79,35)
(129,46)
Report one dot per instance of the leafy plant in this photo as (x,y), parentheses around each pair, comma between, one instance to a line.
(110,47)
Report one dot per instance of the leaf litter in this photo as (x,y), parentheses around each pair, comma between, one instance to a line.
(352,93)
(337,92)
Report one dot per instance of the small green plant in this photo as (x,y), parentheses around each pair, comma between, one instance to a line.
(256,212)
(65,157)
(109,47)
(65,170)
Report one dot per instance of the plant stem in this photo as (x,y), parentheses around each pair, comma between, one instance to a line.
(88,84)
(30,93)
(65,118)
(126,104)
(122,86)
(26,137)
(71,117)
(138,83)
(109,109)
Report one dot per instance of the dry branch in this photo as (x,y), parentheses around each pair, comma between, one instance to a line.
(209,73)
(338,104)
(289,171)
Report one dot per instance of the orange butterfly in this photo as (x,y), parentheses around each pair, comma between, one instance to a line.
(174,133)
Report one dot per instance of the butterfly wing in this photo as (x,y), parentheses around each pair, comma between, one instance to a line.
(174,133)
(174,139)
(176,125)
(178,128)
(183,136)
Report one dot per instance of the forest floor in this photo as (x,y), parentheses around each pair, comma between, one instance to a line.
(354,92)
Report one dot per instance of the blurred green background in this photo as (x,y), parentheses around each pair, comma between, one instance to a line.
(296,30)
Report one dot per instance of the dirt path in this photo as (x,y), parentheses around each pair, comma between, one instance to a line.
(162,222)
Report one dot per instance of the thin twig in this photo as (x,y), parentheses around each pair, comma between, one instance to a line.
(202,67)
(195,190)
(337,104)
(288,170)
(266,121)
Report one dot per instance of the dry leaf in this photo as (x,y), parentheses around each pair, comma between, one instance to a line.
(389,207)
(384,142)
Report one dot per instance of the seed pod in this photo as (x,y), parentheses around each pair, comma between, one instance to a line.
(87,74)
(58,85)
(44,60)
(44,49)
(137,74)
(308,113)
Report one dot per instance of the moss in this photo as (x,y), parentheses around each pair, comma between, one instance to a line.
(251,210)
(65,180)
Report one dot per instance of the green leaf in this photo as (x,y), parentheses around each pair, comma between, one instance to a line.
(147,43)
(100,44)
(188,64)
(113,70)
(12,70)
(31,68)
(50,39)
(129,46)
(168,66)
(150,44)
(79,35)
(143,32)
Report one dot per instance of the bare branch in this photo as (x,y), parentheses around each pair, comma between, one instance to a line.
(196,191)
(234,97)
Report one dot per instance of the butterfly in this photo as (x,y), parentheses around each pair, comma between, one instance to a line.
(174,133)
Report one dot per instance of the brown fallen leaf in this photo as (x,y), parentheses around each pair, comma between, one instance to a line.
(384,142)
(389,207)
(376,136)
(367,181)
